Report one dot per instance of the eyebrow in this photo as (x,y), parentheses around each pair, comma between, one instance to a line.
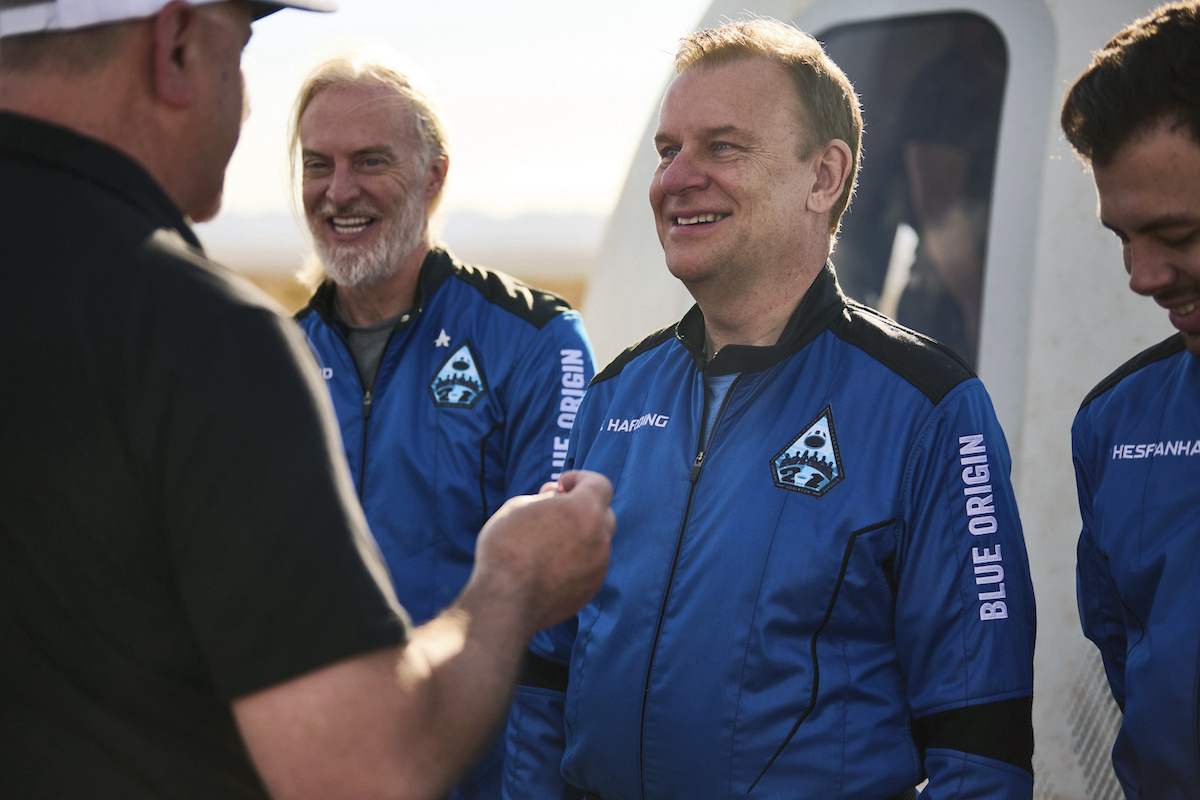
(1158,223)
(375,149)
(707,133)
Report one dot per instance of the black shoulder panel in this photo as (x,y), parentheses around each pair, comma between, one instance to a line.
(1152,355)
(1002,730)
(321,303)
(535,306)
(931,367)
(618,363)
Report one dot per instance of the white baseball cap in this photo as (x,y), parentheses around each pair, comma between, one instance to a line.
(40,16)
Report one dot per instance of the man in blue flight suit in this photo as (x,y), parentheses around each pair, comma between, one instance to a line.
(820,588)
(455,387)
(1134,117)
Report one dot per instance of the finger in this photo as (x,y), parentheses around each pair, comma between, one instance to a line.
(587,483)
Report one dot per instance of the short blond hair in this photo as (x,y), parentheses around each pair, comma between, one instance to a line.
(829,106)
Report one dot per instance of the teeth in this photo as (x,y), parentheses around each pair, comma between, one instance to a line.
(1189,308)
(350,224)
(699,218)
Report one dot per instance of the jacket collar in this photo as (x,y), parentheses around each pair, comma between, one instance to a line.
(33,141)
(821,304)
(437,267)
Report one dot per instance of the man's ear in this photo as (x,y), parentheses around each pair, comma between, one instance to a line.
(176,50)
(435,179)
(832,171)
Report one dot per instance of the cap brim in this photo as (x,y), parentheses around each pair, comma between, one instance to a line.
(262,9)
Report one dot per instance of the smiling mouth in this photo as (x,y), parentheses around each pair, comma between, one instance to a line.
(699,218)
(1187,309)
(349,225)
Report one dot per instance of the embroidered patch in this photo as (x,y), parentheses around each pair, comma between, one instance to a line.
(459,382)
(811,463)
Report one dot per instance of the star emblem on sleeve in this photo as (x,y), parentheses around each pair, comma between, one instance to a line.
(443,339)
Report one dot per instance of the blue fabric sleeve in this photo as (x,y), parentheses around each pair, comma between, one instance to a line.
(543,398)
(954,775)
(965,617)
(1100,610)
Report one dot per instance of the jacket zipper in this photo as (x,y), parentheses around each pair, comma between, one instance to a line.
(693,476)
(368,396)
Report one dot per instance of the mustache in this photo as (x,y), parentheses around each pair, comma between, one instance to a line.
(1180,290)
(358,208)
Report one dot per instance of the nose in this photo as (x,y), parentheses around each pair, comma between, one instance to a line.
(685,171)
(343,187)
(1150,270)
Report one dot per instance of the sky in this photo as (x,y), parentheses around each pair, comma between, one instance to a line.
(544,101)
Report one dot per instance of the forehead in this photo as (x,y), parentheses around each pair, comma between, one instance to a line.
(354,116)
(752,94)
(1155,175)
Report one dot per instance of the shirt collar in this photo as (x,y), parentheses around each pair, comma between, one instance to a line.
(822,303)
(30,140)
(435,269)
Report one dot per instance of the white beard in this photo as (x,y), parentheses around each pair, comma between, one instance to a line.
(364,266)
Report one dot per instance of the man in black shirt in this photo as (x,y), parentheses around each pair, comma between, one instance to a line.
(190,602)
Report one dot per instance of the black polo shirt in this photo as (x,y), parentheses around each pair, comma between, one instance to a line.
(177,526)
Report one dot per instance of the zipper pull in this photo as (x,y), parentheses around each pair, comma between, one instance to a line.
(367,405)
(696,467)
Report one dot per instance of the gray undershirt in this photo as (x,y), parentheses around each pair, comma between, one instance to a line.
(367,343)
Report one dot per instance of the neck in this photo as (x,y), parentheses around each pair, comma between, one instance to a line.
(754,316)
(362,306)
(84,104)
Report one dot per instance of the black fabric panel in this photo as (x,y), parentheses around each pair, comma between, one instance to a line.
(321,304)
(1164,349)
(535,306)
(618,363)
(1001,730)
(541,673)
(931,367)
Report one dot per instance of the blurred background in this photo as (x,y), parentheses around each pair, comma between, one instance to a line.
(545,103)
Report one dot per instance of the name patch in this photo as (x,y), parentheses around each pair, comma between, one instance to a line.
(1181,447)
(629,425)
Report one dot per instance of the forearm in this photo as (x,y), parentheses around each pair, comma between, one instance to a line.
(458,674)
(405,722)
(391,723)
